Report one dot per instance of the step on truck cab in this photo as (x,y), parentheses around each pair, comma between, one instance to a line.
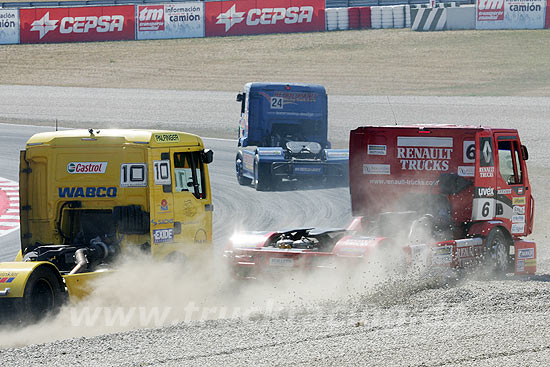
(88,195)
(283,135)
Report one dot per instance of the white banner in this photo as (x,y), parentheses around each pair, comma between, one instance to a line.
(9,26)
(177,20)
(510,14)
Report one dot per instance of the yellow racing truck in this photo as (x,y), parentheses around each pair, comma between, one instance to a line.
(88,195)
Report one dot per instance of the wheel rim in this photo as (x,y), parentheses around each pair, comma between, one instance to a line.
(239,168)
(42,298)
(500,257)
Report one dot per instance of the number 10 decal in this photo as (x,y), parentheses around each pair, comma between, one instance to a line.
(162,172)
(133,175)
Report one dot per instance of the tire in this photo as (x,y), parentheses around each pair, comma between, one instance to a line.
(497,253)
(243,181)
(261,179)
(44,294)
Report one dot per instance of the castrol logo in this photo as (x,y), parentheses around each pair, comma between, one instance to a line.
(86,167)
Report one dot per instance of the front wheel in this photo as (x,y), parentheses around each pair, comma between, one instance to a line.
(239,169)
(497,253)
(44,294)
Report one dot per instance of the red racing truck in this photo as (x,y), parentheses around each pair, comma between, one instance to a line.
(444,195)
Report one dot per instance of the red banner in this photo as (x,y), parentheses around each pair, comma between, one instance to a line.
(547,22)
(231,18)
(79,24)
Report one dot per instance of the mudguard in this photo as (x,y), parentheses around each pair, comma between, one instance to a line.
(14,276)
(270,154)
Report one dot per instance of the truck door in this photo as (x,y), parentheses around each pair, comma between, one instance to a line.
(192,200)
(513,204)
(181,204)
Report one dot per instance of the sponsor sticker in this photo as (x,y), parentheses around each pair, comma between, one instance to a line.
(163,235)
(164,205)
(166,138)
(376,149)
(518,200)
(376,169)
(87,192)
(504,191)
(519,210)
(86,167)
(518,227)
(484,192)
(518,219)
(486,172)
(308,170)
(159,222)
(424,154)
(526,253)
(463,252)
(520,266)
(281,261)
(466,171)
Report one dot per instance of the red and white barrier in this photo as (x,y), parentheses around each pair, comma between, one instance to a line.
(230,18)
(78,24)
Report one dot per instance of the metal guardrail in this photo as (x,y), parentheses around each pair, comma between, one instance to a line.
(329,3)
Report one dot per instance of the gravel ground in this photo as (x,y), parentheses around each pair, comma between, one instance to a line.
(322,321)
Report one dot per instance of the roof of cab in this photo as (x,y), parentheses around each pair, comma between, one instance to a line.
(289,87)
(77,137)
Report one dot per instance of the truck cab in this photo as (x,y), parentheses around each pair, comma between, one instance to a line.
(88,195)
(283,135)
(468,182)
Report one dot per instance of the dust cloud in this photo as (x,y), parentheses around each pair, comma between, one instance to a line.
(147,293)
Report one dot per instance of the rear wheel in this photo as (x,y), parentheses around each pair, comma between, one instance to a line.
(497,253)
(239,169)
(44,294)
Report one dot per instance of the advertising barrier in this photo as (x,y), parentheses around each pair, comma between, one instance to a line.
(231,18)
(78,24)
(9,26)
(510,14)
(176,20)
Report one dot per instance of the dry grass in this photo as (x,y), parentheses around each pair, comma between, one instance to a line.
(370,62)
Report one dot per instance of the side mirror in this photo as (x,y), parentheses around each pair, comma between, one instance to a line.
(207,156)
(240,97)
(524,153)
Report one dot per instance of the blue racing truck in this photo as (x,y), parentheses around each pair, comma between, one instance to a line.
(285,128)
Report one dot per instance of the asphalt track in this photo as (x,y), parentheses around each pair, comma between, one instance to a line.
(389,321)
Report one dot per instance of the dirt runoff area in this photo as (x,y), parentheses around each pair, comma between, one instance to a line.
(367,62)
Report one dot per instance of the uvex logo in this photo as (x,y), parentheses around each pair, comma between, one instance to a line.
(84,24)
(265,16)
(485,191)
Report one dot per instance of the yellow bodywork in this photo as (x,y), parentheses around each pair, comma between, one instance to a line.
(65,175)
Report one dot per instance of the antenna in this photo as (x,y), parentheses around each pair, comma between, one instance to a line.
(392,111)
(55,124)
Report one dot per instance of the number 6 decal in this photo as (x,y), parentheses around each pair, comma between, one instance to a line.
(486,208)
(162,172)
(469,151)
